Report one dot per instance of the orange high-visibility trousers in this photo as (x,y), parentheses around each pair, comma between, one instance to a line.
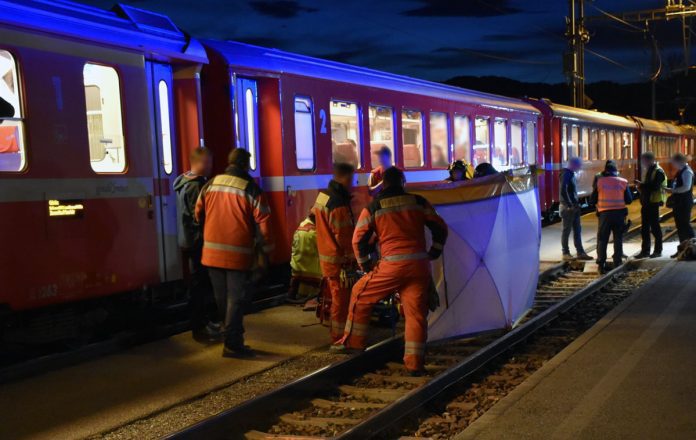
(412,280)
(340,297)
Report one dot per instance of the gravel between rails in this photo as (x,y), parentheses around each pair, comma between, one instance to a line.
(189,412)
(457,409)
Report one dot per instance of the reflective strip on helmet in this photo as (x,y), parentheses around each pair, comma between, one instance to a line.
(228,247)
(418,256)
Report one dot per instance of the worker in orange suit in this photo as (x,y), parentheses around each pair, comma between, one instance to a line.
(399,220)
(236,223)
(335,225)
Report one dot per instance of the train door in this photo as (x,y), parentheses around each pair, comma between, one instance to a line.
(164,170)
(246,101)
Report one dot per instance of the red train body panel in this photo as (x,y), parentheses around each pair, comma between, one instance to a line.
(80,227)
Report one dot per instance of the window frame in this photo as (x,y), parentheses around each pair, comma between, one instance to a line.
(126,146)
(394,132)
(450,145)
(422,134)
(313,131)
(359,128)
(22,119)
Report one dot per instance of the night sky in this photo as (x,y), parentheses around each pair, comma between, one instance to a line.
(431,39)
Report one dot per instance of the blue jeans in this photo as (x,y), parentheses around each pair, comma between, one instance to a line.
(571,220)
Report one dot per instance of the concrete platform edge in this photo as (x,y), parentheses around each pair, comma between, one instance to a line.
(499,409)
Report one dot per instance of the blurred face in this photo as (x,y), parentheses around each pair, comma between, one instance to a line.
(646,162)
(203,166)
(575,165)
(385,160)
(346,181)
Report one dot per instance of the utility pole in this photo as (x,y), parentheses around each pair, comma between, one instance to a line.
(574,60)
(673,9)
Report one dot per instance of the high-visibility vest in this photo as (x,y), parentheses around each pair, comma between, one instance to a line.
(657,196)
(305,256)
(611,191)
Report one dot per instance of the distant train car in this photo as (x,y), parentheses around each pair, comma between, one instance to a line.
(297,115)
(662,138)
(594,136)
(689,142)
(102,102)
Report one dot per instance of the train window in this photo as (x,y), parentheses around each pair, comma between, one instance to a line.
(594,145)
(500,149)
(12,153)
(304,133)
(107,152)
(610,145)
(516,143)
(693,151)
(412,136)
(603,145)
(482,146)
(345,133)
(618,145)
(573,141)
(439,140)
(381,131)
(165,126)
(531,143)
(585,143)
(627,145)
(462,138)
(564,143)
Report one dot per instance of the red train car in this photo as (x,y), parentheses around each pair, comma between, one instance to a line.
(297,115)
(662,138)
(594,136)
(102,102)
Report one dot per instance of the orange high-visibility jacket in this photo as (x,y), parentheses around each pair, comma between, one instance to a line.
(231,207)
(399,219)
(611,193)
(335,225)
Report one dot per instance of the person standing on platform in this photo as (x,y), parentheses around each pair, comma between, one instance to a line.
(235,218)
(570,210)
(335,224)
(682,197)
(652,196)
(374,182)
(190,236)
(611,198)
(399,220)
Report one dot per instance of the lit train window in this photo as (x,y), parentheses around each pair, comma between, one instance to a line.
(381,131)
(627,145)
(345,133)
(12,148)
(482,146)
(585,143)
(564,142)
(618,145)
(594,145)
(250,119)
(462,138)
(573,141)
(304,133)
(412,136)
(610,145)
(439,140)
(107,152)
(693,151)
(531,143)
(165,126)
(603,145)
(500,153)
(516,143)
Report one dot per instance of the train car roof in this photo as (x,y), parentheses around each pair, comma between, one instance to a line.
(687,129)
(658,126)
(124,26)
(573,113)
(274,60)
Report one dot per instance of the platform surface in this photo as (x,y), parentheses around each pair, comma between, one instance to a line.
(550,250)
(99,395)
(631,376)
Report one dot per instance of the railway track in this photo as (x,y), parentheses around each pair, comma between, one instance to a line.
(363,396)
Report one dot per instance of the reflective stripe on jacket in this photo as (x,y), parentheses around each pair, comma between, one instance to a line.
(398,219)
(235,218)
(335,225)
(611,193)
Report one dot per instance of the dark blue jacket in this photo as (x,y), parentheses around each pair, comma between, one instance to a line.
(187,187)
(569,188)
